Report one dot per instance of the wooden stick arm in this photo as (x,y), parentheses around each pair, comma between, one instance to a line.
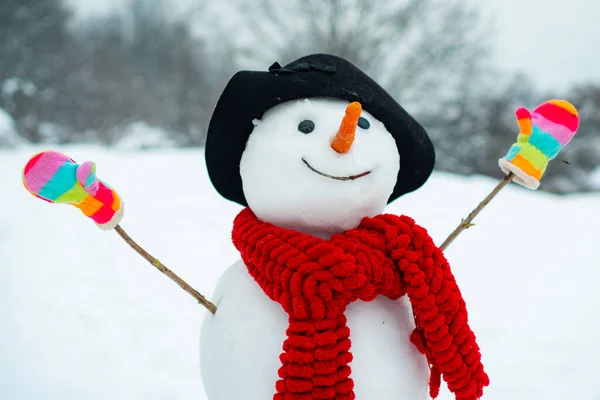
(467,222)
(162,268)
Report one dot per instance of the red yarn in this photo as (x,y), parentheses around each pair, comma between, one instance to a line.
(314,280)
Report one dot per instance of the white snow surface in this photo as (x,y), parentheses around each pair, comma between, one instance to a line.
(86,318)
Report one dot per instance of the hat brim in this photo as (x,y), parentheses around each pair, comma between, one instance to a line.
(249,94)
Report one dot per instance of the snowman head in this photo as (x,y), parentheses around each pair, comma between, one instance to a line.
(271,145)
(318,165)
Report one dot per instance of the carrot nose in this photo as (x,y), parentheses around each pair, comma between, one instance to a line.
(345,136)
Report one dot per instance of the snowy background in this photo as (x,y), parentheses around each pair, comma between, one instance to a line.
(86,318)
(131,85)
(97,71)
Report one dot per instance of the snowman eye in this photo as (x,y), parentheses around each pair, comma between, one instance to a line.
(306,126)
(363,123)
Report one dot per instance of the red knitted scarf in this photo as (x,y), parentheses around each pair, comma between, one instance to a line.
(314,280)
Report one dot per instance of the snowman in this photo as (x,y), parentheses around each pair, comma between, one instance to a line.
(331,299)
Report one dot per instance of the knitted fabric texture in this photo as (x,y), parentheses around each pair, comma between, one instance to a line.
(314,280)
(56,178)
(542,135)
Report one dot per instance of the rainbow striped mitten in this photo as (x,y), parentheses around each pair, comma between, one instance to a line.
(543,134)
(56,178)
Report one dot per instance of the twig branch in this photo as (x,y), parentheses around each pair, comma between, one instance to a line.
(160,266)
(466,223)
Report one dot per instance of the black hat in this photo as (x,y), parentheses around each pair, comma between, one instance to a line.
(249,94)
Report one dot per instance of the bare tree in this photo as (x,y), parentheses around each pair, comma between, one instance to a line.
(417,49)
(33,44)
(177,71)
(582,156)
(474,129)
(141,65)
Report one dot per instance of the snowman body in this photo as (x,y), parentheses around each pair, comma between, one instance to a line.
(240,345)
(294,177)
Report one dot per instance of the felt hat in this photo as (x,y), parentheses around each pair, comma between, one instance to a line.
(249,94)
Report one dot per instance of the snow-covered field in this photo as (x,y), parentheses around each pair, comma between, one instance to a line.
(83,317)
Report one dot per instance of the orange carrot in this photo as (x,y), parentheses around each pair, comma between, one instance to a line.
(345,137)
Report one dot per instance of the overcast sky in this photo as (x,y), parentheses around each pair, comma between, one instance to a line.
(555,41)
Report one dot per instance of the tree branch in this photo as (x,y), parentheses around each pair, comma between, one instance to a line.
(466,223)
(161,267)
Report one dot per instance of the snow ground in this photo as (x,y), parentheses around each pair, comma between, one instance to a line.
(86,318)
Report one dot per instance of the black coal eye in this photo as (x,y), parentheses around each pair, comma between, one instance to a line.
(306,126)
(363,123)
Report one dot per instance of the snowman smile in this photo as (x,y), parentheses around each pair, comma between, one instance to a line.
(339,178)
